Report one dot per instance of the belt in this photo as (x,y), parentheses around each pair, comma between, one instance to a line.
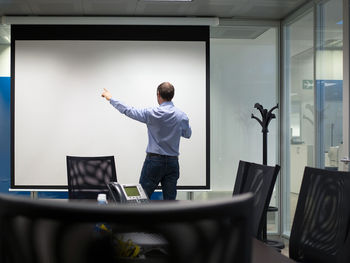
(161,155)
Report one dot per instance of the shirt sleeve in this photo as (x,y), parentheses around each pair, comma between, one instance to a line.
(186,128)
(131,112)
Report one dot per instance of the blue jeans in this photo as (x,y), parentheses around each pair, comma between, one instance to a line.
(160,169)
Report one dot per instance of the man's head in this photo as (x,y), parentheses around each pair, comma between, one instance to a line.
(165,92)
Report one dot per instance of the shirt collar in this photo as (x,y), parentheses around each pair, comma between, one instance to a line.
(166,103)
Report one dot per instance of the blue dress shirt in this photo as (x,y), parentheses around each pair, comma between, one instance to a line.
(165,124)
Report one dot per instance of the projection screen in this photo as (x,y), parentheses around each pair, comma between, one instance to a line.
(58,75)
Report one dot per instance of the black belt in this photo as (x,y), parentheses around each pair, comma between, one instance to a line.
(160,155)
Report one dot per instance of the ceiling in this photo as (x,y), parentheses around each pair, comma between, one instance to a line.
(254,9)
(236,9)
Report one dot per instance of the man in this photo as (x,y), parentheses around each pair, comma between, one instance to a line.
(165,124)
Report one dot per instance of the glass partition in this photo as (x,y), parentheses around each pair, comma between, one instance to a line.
(329,83)
(299,86)
(312,44)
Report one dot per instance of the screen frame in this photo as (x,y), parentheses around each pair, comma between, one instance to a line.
(109,32)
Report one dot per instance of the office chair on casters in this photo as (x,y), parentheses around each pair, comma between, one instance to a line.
(89,176)
(64,232)
(320,230)
(260,180)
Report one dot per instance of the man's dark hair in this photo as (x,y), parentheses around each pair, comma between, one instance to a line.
(166,91)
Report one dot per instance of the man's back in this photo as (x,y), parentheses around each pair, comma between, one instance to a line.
(166,124)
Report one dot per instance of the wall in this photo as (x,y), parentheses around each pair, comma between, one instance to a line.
(5,60)
(4,117)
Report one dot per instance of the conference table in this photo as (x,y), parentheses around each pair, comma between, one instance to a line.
(261,253)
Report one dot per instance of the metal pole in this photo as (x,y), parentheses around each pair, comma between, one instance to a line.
(265,148)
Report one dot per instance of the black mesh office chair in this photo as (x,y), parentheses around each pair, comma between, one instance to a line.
(64,232)
(320,231)
(89,176)
(260,180)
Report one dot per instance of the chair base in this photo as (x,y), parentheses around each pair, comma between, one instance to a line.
(275,244)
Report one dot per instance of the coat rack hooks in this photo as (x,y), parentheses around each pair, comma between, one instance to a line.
(266,117)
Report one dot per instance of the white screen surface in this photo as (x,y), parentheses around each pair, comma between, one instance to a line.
(59,110)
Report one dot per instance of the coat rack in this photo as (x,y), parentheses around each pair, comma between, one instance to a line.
(266,117)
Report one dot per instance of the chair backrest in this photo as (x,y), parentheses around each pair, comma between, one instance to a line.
(89,176)
(320,230)
(57,231)
(260,180)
